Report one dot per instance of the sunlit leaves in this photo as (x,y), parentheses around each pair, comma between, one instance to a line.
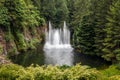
(49,72)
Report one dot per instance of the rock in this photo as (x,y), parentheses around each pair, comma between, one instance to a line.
(3,60)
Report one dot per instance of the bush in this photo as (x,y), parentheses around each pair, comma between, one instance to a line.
(9,72)
(32,43)
(20,41)
(111,71)
(116,77)
(78,72)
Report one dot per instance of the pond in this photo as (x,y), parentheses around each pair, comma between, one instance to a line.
(60,57)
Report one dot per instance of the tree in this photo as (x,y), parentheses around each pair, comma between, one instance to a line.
(48,9)
(84,35)
(4,18)
(77,9)
(37,3)
(112,40)
(55,11)
(23,16)
(99,11)
(61,12)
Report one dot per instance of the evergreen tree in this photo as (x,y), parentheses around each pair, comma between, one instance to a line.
(79,9)
(55,11)
(112,40)
(48,9)
(37,3)
(84,36)
(99,11)
(61,12)
(71,8)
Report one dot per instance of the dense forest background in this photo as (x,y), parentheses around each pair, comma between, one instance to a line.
(94,24)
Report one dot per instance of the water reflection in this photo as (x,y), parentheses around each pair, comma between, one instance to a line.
(59,56)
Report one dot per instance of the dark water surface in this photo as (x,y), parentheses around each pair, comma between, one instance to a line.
(59,57)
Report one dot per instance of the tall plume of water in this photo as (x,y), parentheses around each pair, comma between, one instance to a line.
(57,38)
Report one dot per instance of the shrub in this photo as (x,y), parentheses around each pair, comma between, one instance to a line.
(20,42)
(116,77)
(111,71)
(9,72)
(78,72)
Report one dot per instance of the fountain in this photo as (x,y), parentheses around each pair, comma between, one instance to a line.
(57,48)
(57,38)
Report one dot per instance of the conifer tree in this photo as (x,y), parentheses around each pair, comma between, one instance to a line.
(48,9)
(61,12)
(84,36)
(112,40)
(79,9)
(99,11)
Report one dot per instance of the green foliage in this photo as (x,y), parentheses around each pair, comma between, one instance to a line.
(116,77)
(17,16)
(21,45)
(99,10)
(95,26)
(37,3)
(61,12)
(9,72)
(8,36)
(55,11)
(48,9)
(23,13)
(4,18)
(111,71)
(78,72)
(84,36)
(12,51)
(112,29)
(79,9)
(31,44)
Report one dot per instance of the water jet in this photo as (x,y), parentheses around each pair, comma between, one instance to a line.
(57,38)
